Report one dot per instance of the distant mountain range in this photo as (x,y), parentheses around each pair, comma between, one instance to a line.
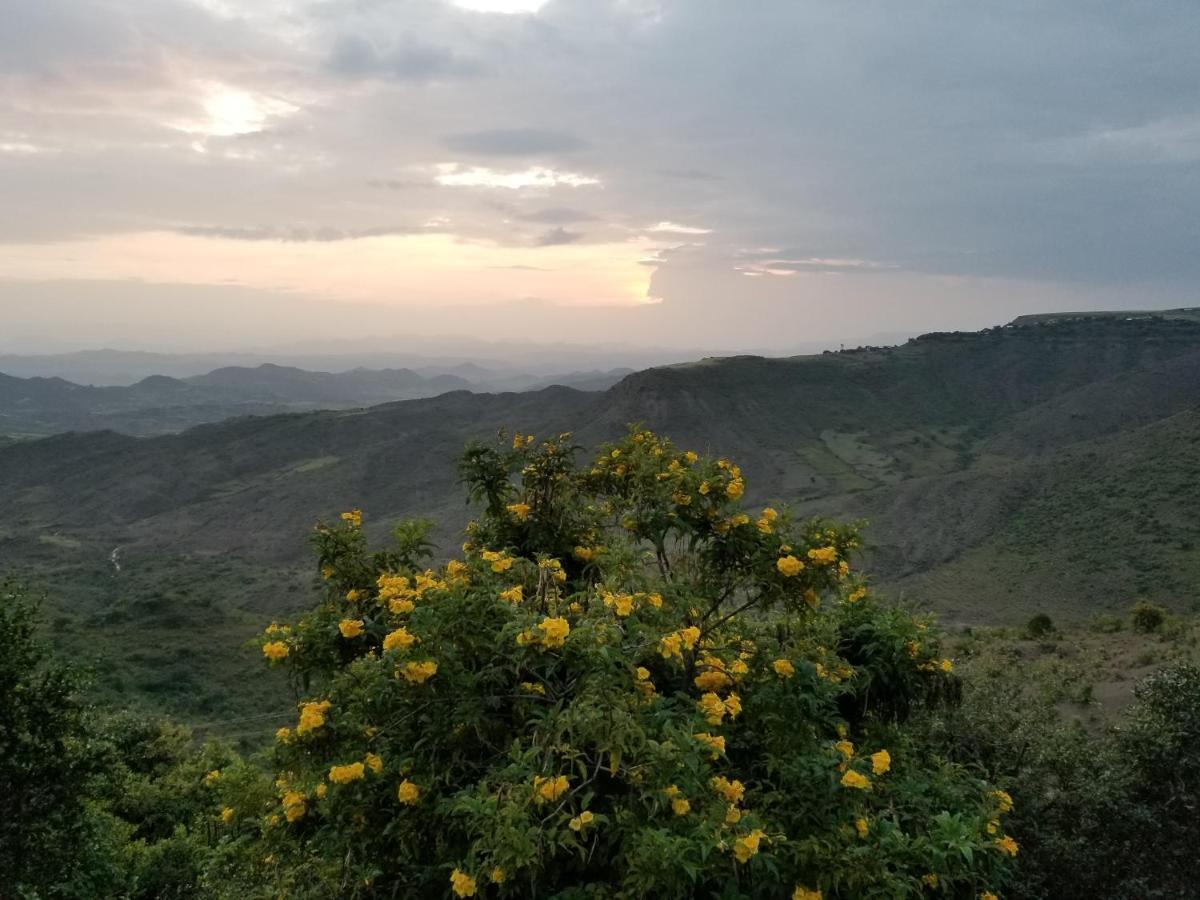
(160,404)
(1044,466)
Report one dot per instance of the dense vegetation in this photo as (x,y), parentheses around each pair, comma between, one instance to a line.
(1002,472)
(627,685)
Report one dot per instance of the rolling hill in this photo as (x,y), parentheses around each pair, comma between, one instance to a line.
(1048,466)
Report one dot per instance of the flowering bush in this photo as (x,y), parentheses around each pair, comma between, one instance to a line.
(626,685)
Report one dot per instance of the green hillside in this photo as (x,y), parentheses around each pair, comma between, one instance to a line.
(1047,466)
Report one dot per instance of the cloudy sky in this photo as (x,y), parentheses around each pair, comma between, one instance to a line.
(732,174)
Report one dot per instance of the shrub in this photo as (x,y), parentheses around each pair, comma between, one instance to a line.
(626,686)
(1039,626)
(1147,616)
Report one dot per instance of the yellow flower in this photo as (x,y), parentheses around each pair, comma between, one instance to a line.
(1004,801)
(712,680)
(852,779)
(462,884)
(350,628)
(946,665)
(862,827)
(670,645)
(789,565)
(530,687)
(988,895)
(623,605)
(881,762)
(227,815)
(503,564)
(497,876)
(642,673)
(353,596)
(703,489)
(584,554)
(581,820)
(733,815)
(346,774)
(823,556)
(401,606)
(913,648)
(408,793)
(845,748)
(655,600)
(993,827)
(769,514)
(374,762)
(689,636)
(714,742)
(321,791)
(856,595)
(293,806)
(519,511)
(1007,845)
(513,595)
(354,517)
(549,789)
(212,777)
(712,707)
(398,639)
(735,489)
(732,791)
(801,893)
(680,806)
(930,880)
(747,845)
(783,668)
(810,597)
(554,631)
(733,705)
(691,457)
(312,716)
(275,650)
(283,735)
(419,672)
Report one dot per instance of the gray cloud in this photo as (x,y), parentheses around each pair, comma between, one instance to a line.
(513,142)
(292,234)
(406,59)
(556,215)
(557,236)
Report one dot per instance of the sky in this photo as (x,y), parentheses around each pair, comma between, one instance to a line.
(751,175)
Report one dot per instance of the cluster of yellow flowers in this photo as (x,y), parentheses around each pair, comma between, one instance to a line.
(462,884)
(353,518)
(715,709)
(350,628)
(674,643)
(519,511)
(747,845)
(399,639)
(547,790)
(881,762)
(514,595)
(312,716)
(347,773)
(554,631)
(625,604)
(499,560)
(783,668)
(275,650)
(581,821)
(418,672)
